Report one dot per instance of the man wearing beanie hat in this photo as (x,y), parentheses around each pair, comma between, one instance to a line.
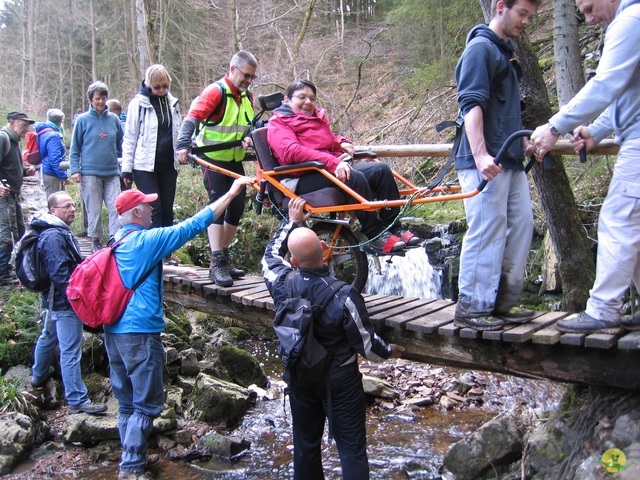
(136,354)
(12,171)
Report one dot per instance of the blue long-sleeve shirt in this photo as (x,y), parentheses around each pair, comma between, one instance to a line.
(96,144)
(141,252)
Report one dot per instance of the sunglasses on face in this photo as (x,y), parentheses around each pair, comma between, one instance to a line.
(247,76)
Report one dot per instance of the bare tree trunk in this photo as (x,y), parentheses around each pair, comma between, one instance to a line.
(577,270)
(94,48)
(144,48)
(24,66)
(237,45)
(566,47)
(32,7)
(303,29)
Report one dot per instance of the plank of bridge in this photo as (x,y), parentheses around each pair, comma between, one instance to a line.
(375,300)
(469,333)
(448,330)
(261,299)
(383,307)
(200,284)
(247,296)
(496,335)
(398,316)
(630,341)
(547,336)
(523,333)
(601,340)
(575,339)
(187,280)
(238,285)
(431,316)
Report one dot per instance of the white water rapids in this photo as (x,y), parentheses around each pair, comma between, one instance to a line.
(411,276)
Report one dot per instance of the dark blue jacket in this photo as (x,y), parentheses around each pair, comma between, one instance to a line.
(61,255)
(487,75)
(344,327)
(52,150)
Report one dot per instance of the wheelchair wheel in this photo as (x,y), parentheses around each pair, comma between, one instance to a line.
(347,264)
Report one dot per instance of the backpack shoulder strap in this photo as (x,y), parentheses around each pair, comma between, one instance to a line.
(113,250)
(7,143)
(221,106)
(334,287)
(333,283)
(459,124)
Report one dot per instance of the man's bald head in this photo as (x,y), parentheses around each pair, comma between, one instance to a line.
(306,248)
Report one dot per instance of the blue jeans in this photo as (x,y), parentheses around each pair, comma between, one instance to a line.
(137,362)
(64,328)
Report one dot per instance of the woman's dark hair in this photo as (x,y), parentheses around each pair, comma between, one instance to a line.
(298,85)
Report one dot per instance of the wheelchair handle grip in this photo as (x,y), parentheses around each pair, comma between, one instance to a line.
(503,150)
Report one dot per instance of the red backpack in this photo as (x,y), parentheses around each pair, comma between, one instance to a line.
(31,152)
(96,292)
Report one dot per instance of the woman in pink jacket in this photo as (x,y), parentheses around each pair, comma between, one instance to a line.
(300,132)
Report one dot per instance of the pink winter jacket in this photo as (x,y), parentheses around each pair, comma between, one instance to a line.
(296,137)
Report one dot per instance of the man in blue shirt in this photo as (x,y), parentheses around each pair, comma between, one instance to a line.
(136,354)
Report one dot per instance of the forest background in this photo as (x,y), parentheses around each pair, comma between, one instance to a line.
(384,70)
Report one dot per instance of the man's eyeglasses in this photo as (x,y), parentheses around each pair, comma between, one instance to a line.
(158,87)
(65,207)
(247,76)
(304,98)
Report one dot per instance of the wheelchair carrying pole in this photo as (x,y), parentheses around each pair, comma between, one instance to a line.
(198,161)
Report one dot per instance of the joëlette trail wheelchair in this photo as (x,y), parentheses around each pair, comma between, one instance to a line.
(332,216)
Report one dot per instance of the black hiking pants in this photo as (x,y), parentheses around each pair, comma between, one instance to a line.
(346,412)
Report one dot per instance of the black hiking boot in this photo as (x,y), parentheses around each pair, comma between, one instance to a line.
(219,269)
(234,272)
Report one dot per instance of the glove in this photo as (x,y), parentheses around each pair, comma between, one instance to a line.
(127,178)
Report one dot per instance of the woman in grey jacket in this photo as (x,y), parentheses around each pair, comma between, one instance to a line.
(148,153)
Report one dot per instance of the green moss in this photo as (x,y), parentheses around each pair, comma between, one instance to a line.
(238,334)
(242,367)
(95,384)
(439,212)
(18,327)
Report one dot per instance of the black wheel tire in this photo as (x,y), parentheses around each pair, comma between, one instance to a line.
(347,264)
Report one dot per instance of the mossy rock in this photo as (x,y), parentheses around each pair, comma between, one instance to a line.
(241,366)
(217,401)
(238,334)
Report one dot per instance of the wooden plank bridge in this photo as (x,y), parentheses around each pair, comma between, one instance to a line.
(425,328)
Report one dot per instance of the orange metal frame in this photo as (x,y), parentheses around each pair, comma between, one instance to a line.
(443,193)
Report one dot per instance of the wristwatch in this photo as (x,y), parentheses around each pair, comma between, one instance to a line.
(554,131)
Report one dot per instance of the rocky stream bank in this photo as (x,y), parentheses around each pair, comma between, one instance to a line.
(212,385)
